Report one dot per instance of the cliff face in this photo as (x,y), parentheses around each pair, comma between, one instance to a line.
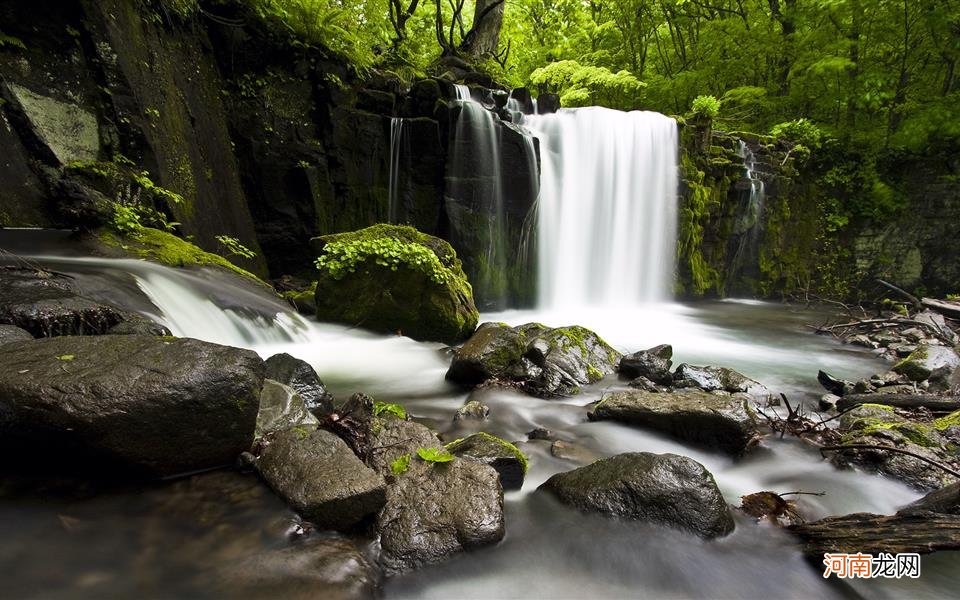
(273,144)
(799,238)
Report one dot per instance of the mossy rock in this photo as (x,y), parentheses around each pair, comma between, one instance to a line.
(951,420)
(883,421)
(393,278)
(500,454)
(167,249)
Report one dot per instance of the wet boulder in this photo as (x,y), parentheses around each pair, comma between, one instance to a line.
(281,408)
(722,422)
(320,477)
(474,410)
(49,304)
(137,325)
(394,279)
(945,500)
(923,362)
(665,489)
(500,454)
(10,334)
(156,406)
(299,375)
(435,510)
(652,364)
(543,361)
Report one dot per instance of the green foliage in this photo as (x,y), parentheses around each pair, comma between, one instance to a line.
(231,246)
(380,408)
(400,466)
(581,85)
(8,41)
(340,258)
(184,9)
(125,219)
(142,178)
(707,107)
(800,131)
(434,455)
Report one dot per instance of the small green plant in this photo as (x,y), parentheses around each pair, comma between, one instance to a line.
(231,246)
(341,258)
(705,106)
(434,455)
(125,219)
(142,178)
(400,465)
(380,408)
(152,113)
(66,357)
(953,297)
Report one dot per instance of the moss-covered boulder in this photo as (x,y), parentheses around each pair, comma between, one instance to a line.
(544,361)
(393,278)
(879,425)
(500,454)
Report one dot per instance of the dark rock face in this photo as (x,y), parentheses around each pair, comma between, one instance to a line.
(332,564)
(401,292)
(722,422)
(666,489)
(282,408)
(299,375)
(154,406)
(503,456)
(544,361)
(434,511)
(321,477)
(946,501)
(48,304)
(139,326)
(653,364)
(10,334)
(548,103)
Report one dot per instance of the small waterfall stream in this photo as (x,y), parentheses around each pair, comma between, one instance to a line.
(607,208)
(749,224)
(398,150)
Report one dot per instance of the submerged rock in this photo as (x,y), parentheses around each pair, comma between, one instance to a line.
(332,564)
(299,375)
(723,422)
(282,408)
(544,361)
(712,379)
(158,406)
(49,304)
(500,454)
(666,489)
(321,478)
(394,279)
(472,410)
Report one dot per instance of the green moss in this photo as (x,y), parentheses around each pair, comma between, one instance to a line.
(382,408)
(594,374)
(873,420)
(168,249)
(951,420)
(512,449)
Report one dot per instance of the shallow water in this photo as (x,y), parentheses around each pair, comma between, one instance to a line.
(173,539)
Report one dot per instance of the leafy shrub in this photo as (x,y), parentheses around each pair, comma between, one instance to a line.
(582,85)
(800,131)
(341,258)
(705,106)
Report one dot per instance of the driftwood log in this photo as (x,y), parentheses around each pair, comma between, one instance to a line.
(922,532)
(930,401)
(944,307)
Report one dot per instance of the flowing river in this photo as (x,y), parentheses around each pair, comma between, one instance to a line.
(174,538)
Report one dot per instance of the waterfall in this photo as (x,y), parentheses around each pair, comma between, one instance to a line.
(608,206)
(396,149)
(748,224)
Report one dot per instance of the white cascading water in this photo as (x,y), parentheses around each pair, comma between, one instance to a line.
(607,208)
(396,154)
(750,217)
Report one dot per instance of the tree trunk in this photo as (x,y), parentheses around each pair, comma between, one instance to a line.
(922,533)
(484,37)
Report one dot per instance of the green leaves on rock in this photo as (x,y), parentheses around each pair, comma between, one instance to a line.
(400,465)
(394,409)
(340,258)
(433,455)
